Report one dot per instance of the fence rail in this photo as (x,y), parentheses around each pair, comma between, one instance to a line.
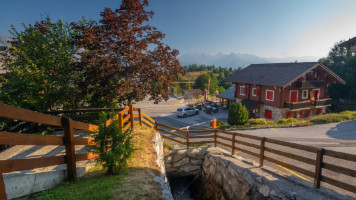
(258,144)
(126,118)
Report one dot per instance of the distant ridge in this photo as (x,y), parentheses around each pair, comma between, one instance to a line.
(4,40)
(235,60)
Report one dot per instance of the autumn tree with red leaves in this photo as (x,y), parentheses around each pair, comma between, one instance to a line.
(124,59)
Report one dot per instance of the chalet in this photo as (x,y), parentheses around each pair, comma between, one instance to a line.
(350,45)
(192,94)
(283,90)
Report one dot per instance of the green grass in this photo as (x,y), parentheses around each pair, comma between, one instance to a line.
(333,117)
(85,188)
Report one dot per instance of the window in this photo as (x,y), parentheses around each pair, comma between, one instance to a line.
(305,94)
(268,114)
(269,95)
(242,90)
(254,92)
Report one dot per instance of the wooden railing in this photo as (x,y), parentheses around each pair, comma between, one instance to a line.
(297,105)
(126,118)
(260,146)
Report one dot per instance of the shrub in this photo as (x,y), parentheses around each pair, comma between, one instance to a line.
(292,120)
(237,114)
(328,118)
(282,121)
(258,121)
(113,145)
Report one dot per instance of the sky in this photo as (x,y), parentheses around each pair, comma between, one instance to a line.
(273,28)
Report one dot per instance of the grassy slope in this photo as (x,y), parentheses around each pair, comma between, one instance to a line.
(136,183)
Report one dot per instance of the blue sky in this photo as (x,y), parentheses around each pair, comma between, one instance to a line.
(274,28)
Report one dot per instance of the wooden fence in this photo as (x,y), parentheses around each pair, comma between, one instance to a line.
(126,119)
(259,146)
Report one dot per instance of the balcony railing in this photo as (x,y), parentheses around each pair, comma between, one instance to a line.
(321,102)
(310,84)
(297,105)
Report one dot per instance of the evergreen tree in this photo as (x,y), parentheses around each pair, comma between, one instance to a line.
(237,114)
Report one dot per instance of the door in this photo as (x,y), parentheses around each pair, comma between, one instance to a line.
(316,94)
(293,96)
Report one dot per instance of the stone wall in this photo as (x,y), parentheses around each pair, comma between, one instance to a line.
(277,113)
(185,162)
(227,177)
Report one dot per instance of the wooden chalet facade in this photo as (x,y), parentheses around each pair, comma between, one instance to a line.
(284,90)
(350,45)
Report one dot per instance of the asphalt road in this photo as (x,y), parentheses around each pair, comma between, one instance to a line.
(335,136)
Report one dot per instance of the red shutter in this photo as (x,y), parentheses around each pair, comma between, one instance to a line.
(288,115)
(270,95)
(268,114)
(301,114)
(308,113)
(320,111)
(238,90)
(245,91)
(257,92)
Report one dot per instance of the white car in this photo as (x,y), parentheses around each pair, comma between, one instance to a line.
(186,111)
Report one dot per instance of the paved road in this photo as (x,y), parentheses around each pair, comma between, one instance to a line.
(335,136)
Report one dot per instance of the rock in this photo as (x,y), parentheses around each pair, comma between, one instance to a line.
(181,162)
(264,190)
(275,196)
(259,179)
(293,195)
(196,162)
(168,159)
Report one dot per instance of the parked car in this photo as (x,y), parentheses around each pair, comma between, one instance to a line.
(211,109)
(186,111)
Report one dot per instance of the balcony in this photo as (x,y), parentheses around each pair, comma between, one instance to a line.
(310,84)
(321,102)
(297,105)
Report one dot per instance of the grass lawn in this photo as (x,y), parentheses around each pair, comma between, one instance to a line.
(136,183)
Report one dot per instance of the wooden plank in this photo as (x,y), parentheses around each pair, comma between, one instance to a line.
(318,167)
(291,167)
(221,143)
(339,184)
(174,140)
(131,116)
(83,110)
(174,134)
(248,152)
(248,144)
(201,136)
(292,156)
(70,148)
(342,170)
(147,122)
(215,137)
(262,151)
(110,121)
(136,116)
(233,144)
(84,141)
(171,127)
(293,145)
(127,127)
(340,155)
(85,126)
(25,164)
(140,115)
(202,131)
(2,188)
(224,138)
(121,120)
(137,109)
(225,132)
(125,110)
(148,117)
(12,112)
(7,138)
(126,118)
(187,139)
(86,156)
(249,136)
(201,142)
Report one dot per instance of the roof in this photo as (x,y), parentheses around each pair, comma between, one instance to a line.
(348,41)
(276,74)
(249,104)
(229,93)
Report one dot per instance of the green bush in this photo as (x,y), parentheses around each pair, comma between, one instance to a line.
(237,115)
(328,118)
(258,121)
(282,121)
(113,145)
(292,120)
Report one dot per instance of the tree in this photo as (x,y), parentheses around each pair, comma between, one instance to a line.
(40,75)
(237,114)
(202,82)
(124,58)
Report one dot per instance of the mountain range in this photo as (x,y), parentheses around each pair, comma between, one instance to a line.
(235,60)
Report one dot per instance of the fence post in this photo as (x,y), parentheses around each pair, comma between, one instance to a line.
(318,167)
(2,188)
(131,116)
(156,125)
(70,148)
(215,136)
(140,116)
(262,151)
(233,144)
(187,139)
(121,120)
